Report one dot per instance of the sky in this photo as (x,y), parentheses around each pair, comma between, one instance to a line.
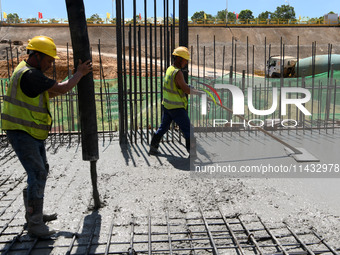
(57,8)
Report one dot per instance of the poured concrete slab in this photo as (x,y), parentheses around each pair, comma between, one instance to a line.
(258,155)
(305,156)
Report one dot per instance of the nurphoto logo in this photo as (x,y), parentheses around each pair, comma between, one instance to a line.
(238,100)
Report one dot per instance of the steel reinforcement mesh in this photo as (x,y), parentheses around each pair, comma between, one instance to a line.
(197,232)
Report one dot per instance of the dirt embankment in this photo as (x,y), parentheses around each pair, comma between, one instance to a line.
(63,65)
(262,41)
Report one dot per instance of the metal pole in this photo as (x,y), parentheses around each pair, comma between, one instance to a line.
(226,13)
(1,10)
(183,23)
(87,104)
(121,90)
(112,10)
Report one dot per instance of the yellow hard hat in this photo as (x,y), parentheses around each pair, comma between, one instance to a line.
(43,44)
(182,52)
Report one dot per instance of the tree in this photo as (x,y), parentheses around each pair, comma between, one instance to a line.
(265,15)
(221,15)
(13,18)
(246,14)
(284,12)
(32,20)
(54,21)
(231,16)
(95,19)
(200,15)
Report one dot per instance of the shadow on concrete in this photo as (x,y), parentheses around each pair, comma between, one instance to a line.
(174,153)
(89,237)
(30,245)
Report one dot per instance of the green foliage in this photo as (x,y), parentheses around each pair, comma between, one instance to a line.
(54,21)
(265,15)
(246,14)
(284,12)
(221,15)
(13,18)
(94,19)
(32,20)
(200,16)
(231,16)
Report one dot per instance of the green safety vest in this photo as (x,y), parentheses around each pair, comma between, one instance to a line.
(21,112)
(173,97)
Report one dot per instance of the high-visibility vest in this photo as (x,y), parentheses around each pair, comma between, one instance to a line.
(21,112)
(173,97)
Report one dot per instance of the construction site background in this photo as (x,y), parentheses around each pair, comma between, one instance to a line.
(194,22)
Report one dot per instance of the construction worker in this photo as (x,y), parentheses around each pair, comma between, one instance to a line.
(27,120)
(175,103)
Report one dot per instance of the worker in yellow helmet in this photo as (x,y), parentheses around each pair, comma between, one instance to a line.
(27,121)
(175,103)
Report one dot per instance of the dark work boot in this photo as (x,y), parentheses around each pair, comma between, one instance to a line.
(46,217)
(36,227)
(155,144)
(190,145)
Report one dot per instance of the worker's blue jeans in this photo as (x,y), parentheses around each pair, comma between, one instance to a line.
(180,116)
(32,155)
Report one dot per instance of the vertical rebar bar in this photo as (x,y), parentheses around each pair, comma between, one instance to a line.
(130,85)
(11,50)
(303,245)
(149,235)
(232,56)
(334,105)
(297,75)
(140,85)
(158,113)
(17,56)
(211,238)
(214,58)
(8,68)
(313,82)
(250,235)
(146,73)
(108,242)
(124,90)
(223,57)
(135,69)
(235,64)
(169,232)
(131,250)
(121,89)
(146,66)
(233,235)
(101,92)
(275,240)
(247,62)
(151,84)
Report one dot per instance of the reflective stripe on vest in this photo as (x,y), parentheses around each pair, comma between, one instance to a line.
(172,91)
(173,102)
(26,105)
(173,97)
(24,113)
(25,122)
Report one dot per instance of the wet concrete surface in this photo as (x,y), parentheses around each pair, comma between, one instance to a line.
(132,183)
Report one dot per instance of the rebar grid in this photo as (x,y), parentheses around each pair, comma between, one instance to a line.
(143,82)
(199,232)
